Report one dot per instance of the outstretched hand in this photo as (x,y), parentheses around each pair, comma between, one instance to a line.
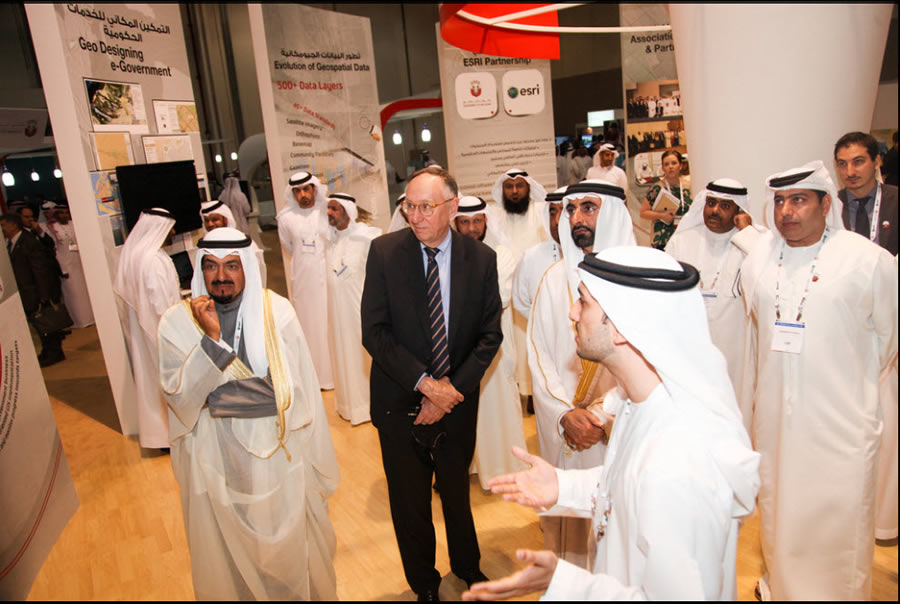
(533,578)
(536,487)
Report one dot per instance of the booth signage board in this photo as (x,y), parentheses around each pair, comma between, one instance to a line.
(38,496)
(498,114)
(319,96)
(654,118)
(112,75)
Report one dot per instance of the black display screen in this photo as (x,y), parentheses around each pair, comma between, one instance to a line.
(170,185)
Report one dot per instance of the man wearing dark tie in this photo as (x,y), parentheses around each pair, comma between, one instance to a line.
(431,322)
(870,207)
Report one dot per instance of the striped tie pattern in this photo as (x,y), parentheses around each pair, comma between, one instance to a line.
(440,353)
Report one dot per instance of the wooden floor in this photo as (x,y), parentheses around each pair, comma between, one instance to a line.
(127,542)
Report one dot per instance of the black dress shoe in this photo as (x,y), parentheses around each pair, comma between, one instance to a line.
(51,358)
(430,595)
(478,577)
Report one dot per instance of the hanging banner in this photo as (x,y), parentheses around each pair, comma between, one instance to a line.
(38,497)
(316,71)
(498,114)
(654,118)
(22,128)
(113,75)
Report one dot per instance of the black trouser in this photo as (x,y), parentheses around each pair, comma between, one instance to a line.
(409,468)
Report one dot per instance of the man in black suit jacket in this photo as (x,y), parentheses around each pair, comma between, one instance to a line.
(856,158)
(425,425)
(31,224)
(36,278)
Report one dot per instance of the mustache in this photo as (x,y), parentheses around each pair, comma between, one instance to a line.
(217,282)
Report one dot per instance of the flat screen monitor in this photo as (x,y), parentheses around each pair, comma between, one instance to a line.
(170,185)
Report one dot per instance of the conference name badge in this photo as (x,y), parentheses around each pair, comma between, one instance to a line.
(309,247)
(788,337)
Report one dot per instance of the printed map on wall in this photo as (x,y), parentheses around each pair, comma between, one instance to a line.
(167,148)
(175,116)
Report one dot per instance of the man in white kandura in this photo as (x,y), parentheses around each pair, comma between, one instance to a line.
(346,251)
(235,200)
(74,287)
(517,213)
(302,226)
(147,282)
(250,444)
(680,473)
(215,215)
(822,305)
(516,210)
(567,389)
(538,258)
(715,235)
(398,219)
(604,167)
(499,427)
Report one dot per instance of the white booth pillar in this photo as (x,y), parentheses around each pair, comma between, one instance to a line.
(56,77)
(770,87)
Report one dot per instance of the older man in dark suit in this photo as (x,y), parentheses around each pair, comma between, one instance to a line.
(431,322)
(37,279)
(870,207)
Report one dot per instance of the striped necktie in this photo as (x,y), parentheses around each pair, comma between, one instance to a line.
(440,354)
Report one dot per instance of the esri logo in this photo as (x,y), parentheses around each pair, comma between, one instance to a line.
(524,92)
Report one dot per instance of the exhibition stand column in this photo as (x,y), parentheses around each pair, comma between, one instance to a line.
(774,85)
(119,93)
(77,165)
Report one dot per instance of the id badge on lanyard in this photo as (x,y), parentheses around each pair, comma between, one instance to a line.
(309,247)
(788,337)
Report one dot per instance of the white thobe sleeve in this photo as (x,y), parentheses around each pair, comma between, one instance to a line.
(746,390)
(161,292)
(679,534)
(187,374)
(284,236)
(547,383)
(674,247)
(884,308)
(573,583)
(506,266)
(521,294)
(747,238)
(576,489)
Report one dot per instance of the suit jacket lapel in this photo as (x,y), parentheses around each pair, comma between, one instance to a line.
(457,284)
(845,208)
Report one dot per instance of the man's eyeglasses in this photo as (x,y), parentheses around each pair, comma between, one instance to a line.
(427,209)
